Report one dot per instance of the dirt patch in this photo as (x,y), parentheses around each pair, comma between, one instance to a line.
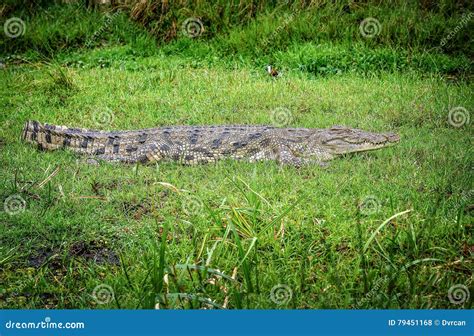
(100,188)
(95,251)
(41,256)
(137,209)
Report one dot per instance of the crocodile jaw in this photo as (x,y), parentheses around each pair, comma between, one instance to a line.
(354,141)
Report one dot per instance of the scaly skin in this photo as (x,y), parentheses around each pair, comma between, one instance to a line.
(203,144)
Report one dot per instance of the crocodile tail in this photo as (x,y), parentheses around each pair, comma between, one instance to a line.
(30,131)
(51,137)
(85,141)
(37,133)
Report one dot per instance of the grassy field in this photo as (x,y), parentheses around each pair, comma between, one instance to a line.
(385,229)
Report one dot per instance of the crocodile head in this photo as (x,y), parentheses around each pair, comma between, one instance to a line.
(343,140)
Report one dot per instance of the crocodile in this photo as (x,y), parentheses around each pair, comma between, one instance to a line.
(191,145)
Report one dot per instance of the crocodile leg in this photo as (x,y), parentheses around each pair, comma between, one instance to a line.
(285,156)
(198,155)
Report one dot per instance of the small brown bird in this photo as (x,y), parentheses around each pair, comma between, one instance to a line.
(272,71)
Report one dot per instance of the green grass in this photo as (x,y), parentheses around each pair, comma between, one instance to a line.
(385,229)
(320,38)
(226,234)
(239,26)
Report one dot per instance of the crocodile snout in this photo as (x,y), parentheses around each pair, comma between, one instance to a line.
(392,137)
